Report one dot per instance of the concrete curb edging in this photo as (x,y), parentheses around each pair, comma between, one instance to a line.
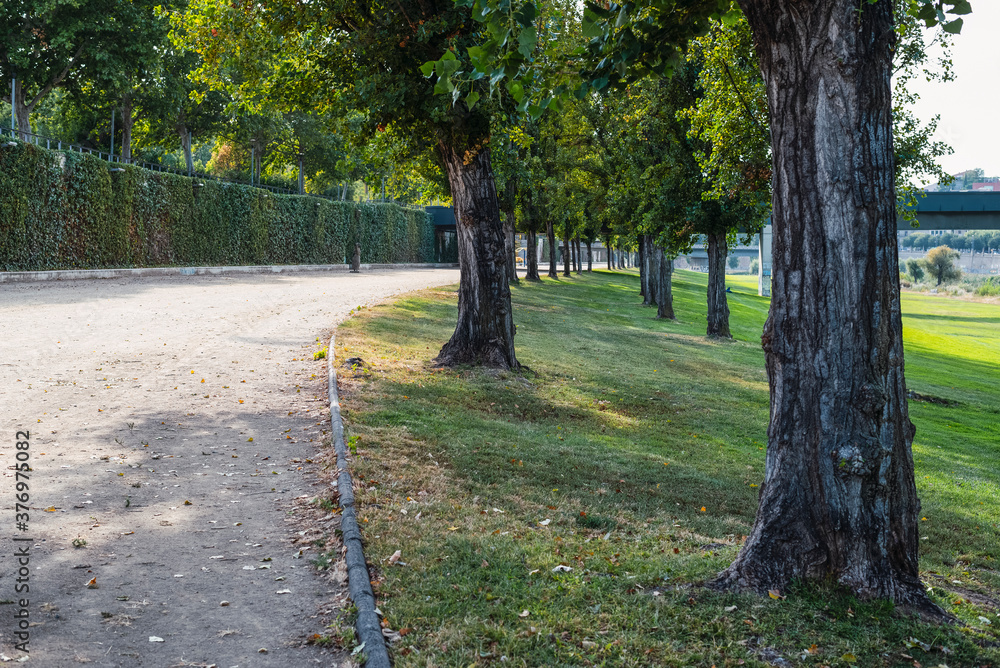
(75,274)
(358,579)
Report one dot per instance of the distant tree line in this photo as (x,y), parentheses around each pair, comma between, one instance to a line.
(976,240)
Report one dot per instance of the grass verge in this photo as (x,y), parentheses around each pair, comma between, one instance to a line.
(566,517)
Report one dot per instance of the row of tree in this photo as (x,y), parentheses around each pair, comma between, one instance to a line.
(469,82)
(116,73)
(977,241)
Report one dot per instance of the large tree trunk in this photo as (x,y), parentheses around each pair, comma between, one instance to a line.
(553,272)
(838,500)
(567,257)
(664,285)
(590,257)
(484,334)
(718,306)
(579,259)
(607,251)
(531,257)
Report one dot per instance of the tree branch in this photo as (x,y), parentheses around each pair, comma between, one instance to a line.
(764,133)
(55,82)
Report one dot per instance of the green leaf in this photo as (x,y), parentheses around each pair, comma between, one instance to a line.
(961,7)
(471,99)
(449,55)
(729,19)
(526,15)
(476,53)
(443,86)
(427,68)
(590,24)
(953,27)
(516,91)
(527,41)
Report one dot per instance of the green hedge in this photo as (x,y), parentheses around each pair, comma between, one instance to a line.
(69,211)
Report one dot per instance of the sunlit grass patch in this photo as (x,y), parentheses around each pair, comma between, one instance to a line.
(569,515)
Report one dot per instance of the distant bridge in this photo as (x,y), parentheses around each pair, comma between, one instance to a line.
(956,211)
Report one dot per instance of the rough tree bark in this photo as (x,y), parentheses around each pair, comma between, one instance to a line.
(567,256)
(838,499)
(579,257)
(647,264)
(664,288)
(185,136)
(531,257)
(550,230)
(484,334)
(718,306)
(128,121)
(643,270)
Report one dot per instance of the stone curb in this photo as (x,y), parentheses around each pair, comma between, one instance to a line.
(358,578)
(76,274)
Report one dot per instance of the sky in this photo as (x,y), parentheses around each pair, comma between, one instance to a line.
(970,105)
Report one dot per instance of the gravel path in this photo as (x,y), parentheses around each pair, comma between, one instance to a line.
(172,422)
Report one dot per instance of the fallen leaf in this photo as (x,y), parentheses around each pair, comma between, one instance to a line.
(395,556)
(544,523)
(775,594)
(187,503)
(849,658)
(729,608)
(523,613)
(92,583)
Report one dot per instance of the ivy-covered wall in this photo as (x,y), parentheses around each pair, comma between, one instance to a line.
(69,211)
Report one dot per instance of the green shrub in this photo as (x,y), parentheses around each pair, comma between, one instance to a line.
(990,288)
(63,210)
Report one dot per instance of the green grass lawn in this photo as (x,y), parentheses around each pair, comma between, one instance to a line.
(568,516)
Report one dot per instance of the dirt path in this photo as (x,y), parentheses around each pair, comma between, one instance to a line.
(143,396)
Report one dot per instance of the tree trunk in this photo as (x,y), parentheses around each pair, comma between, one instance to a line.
(664,287)
(531,257)
(484,334)
(718,306)
(553,272)
(643,270)
(590,257)
(22,111)
(607,250)
(579,259)
(838,500)
(567,257)
(185,136)
(128,120)
(647,269)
